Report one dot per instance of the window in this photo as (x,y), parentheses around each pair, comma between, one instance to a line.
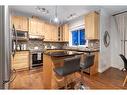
(78,37)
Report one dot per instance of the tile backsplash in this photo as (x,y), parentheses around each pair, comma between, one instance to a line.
(35,43)
(93,44)
(55,45)
(31,44)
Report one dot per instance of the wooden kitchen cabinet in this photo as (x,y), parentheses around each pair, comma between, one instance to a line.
(32,27)
(65,32)
(36,27)
(48,32)
(54,33)
(20,60)
(39,28)
(92,25)
(51,32)
(20,22)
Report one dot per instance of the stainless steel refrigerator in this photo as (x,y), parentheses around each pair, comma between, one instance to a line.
(5,50)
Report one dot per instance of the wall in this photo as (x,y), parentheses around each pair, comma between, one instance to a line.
(115,46)
(105,54)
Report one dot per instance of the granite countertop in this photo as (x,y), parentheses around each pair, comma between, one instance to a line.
(63,53)
(78,50)
(22,50)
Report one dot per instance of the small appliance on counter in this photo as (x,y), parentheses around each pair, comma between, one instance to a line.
(23,47)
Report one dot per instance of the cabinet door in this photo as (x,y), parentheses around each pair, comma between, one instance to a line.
(16,22)
(24,24)
(20,22)
(39,28)
(43,28)
(92,25)
(47,32)
(54,33)
(89,26)
(66,32)
(32,27)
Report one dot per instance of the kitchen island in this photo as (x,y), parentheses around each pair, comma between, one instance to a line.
(53,58)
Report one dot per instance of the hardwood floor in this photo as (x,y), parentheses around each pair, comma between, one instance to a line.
(110,79)
(31,79)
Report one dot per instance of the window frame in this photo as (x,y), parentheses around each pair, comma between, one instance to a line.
(78,29)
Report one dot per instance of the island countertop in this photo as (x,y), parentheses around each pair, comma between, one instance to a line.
(78,50)
(63,53)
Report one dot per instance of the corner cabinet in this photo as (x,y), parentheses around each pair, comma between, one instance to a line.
(92,25)
(20,22)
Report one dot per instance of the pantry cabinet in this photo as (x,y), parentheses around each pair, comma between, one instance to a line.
(20,60)
(20,23)
(92,25)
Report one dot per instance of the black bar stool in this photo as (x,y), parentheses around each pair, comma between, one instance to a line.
(88,61)
(71,65)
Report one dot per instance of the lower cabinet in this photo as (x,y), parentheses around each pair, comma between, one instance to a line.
(20,60)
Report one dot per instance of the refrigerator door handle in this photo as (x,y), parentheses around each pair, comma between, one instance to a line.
(14,40)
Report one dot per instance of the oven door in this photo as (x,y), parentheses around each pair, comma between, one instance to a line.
(37,59)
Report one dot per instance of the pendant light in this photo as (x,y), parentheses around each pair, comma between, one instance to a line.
(56,20)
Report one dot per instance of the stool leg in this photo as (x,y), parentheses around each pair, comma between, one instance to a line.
(125,80)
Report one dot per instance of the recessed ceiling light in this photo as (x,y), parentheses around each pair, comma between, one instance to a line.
(43,10)
(71,16)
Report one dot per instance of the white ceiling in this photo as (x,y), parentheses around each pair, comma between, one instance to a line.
(64,11)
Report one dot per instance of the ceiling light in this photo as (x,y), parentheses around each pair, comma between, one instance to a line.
(56,20)
(71,16)
(43,10)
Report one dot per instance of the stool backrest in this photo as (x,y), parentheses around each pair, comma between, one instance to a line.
(71,65)
(124,60)
(88,61)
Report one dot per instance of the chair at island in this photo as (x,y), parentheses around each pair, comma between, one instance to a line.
(71,65)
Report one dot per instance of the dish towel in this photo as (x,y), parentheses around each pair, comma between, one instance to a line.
(38,56)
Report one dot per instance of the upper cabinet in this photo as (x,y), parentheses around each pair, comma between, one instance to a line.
(54,33)
(65,32)
(92,25)
(20,23)
(36,27)
(47,32)
(32,27)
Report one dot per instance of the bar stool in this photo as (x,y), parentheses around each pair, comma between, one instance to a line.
(71,65)
(88,61)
